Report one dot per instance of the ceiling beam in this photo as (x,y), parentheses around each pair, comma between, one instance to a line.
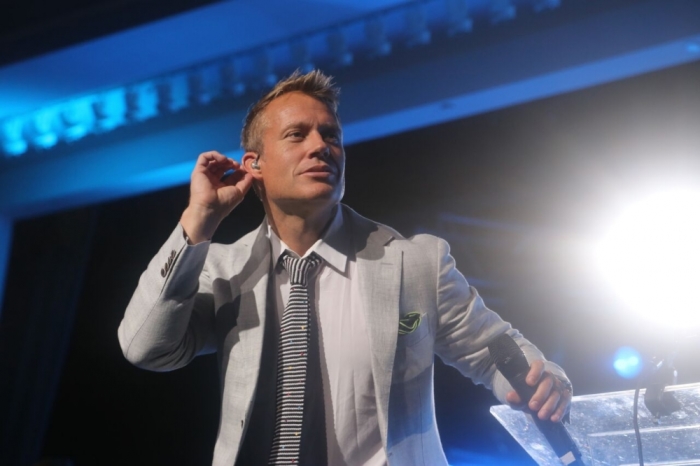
(379,98)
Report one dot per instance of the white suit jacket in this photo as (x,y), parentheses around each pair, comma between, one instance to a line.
(211,298)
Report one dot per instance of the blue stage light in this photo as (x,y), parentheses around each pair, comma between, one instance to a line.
(108,110)
(198,91)
(231,80)
(42,129)
(131,99)
(301,55)
(628,362)
(338,48)
(164,92)
(379,45)
(75,119)
(13,141)
(458,17)
(417,27)
(15,148)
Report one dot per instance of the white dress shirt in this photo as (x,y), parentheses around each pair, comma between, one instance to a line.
(352,426)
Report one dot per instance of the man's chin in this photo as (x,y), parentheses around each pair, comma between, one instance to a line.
(318,199)
(321,200)
(324,192)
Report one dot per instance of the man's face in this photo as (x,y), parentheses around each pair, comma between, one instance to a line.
(303,161)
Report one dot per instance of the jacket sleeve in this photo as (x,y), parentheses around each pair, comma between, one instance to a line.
(466,326)
(170,318)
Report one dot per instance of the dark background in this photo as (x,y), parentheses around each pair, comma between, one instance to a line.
(543,173)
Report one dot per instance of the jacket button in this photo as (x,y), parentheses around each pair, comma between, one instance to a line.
(162,273)
(242,423)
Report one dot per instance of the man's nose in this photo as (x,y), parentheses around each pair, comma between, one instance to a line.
(320,146)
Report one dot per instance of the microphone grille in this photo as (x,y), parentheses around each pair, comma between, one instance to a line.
(503,347)
(508,356)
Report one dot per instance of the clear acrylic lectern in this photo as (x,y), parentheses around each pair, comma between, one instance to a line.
(601,425)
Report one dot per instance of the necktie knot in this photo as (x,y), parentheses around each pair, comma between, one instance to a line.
(299,269)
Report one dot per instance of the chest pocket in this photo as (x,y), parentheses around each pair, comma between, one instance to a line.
(414,347)
(412,329)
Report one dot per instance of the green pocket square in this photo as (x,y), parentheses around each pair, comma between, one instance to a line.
(409,322)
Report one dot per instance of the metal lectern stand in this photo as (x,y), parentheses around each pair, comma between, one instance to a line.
(601,425)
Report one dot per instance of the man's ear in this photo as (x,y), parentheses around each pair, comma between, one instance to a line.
(251,162)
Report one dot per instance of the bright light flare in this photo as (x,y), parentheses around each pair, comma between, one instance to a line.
(651,257)
(628,362)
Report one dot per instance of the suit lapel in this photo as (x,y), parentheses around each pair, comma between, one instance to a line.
(253,305)
(254,287)
(243,349)
(379,272)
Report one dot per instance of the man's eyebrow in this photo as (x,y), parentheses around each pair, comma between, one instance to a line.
(305,125)
(294,125)
(331,126)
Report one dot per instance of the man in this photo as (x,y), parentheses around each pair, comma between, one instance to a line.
(379,306)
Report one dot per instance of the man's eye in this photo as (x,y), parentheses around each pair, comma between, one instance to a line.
(295,134)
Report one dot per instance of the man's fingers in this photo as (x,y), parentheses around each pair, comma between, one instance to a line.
(541,394)
(551,400)
(240,179)
(214,161)
(234,192)
(535,373)
(215,166)
(549,405)
(563,407)
(552,396)
(235,175)
(218,182)
(212,155)
(513,398)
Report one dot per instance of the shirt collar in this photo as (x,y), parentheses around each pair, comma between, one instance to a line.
(329,247)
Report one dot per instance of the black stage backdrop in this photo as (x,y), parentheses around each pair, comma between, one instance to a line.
(542,171)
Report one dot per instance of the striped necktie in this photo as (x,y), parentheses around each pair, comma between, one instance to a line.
(292,362)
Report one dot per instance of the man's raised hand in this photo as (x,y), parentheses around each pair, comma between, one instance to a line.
(552,397)
(213,197)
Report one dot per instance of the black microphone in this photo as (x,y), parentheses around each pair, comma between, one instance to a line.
(510,361)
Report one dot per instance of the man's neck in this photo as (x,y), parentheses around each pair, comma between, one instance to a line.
(300,232)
